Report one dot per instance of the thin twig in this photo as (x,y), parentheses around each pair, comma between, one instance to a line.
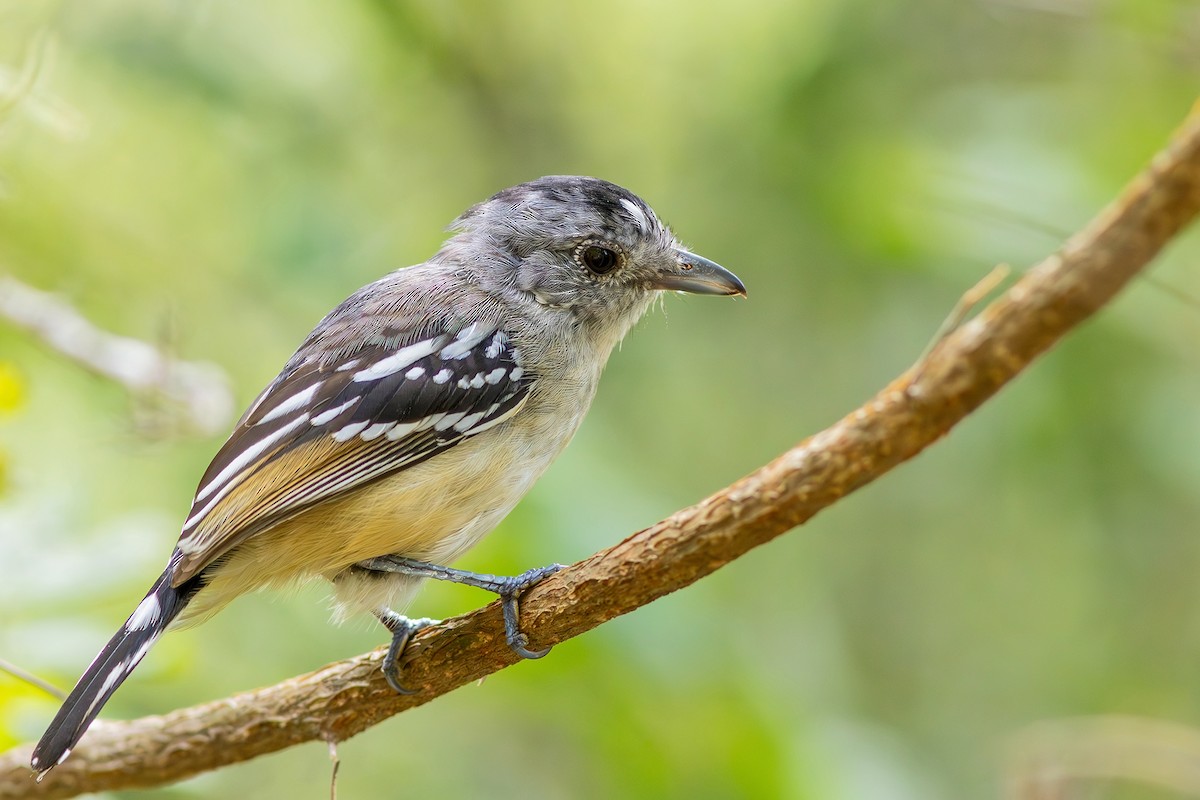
(200,389)
(1058,758)
(31,679)
(969,300)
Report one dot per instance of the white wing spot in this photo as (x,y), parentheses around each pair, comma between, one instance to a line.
(329,415)
(442,376)
(244,458)
(351,364)
(477,380)
(494,421)
(414,373)
(402,430)
(404,357)
(430,422)
(465,342)
(350,431)
(516,374)
(376,430)
(145,615)
(494,376)
(495,346)
(296,401)
(468,422)
(447,420)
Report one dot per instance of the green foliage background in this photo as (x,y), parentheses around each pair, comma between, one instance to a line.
(216,175)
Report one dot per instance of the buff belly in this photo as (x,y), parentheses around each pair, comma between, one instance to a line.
(434,511)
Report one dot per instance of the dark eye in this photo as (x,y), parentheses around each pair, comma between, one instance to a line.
(600,260)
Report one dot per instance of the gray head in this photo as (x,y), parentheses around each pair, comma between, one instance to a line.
(580,247)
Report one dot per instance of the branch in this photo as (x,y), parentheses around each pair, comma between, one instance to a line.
(200,389)
(1063,757)
(960,372)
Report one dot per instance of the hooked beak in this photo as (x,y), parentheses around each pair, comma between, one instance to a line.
(697,275)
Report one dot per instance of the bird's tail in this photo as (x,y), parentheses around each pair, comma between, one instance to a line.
(118,658)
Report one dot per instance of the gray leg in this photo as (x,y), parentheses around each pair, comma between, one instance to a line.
(509,589)
(402,629)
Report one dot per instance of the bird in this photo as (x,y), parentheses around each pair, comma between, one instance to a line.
(410,421)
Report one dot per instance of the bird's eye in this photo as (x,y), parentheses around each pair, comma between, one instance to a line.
(598,259)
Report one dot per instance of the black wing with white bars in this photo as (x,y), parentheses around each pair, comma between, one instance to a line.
(322,430)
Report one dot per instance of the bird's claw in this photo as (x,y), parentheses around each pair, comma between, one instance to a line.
(508,588)
(402,629)
(514,586)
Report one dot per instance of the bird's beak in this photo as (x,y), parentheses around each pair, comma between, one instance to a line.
(697,275)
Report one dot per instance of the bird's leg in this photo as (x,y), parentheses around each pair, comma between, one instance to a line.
(402,629)
(509,589)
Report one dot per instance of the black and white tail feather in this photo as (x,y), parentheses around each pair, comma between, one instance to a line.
(109,670)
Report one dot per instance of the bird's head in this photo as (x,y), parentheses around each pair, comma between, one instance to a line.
(581,249)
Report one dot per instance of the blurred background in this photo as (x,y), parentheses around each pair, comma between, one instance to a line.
(212,177)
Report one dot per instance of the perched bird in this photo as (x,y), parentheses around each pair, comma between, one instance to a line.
(411,421)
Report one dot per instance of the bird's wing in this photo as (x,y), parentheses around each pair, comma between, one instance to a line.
(323,429)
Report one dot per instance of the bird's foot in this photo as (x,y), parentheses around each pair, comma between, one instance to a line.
(509,588)
(402,629)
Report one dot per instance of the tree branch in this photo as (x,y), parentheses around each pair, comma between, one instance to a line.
(1062,757)
(199,389)
(960,372)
